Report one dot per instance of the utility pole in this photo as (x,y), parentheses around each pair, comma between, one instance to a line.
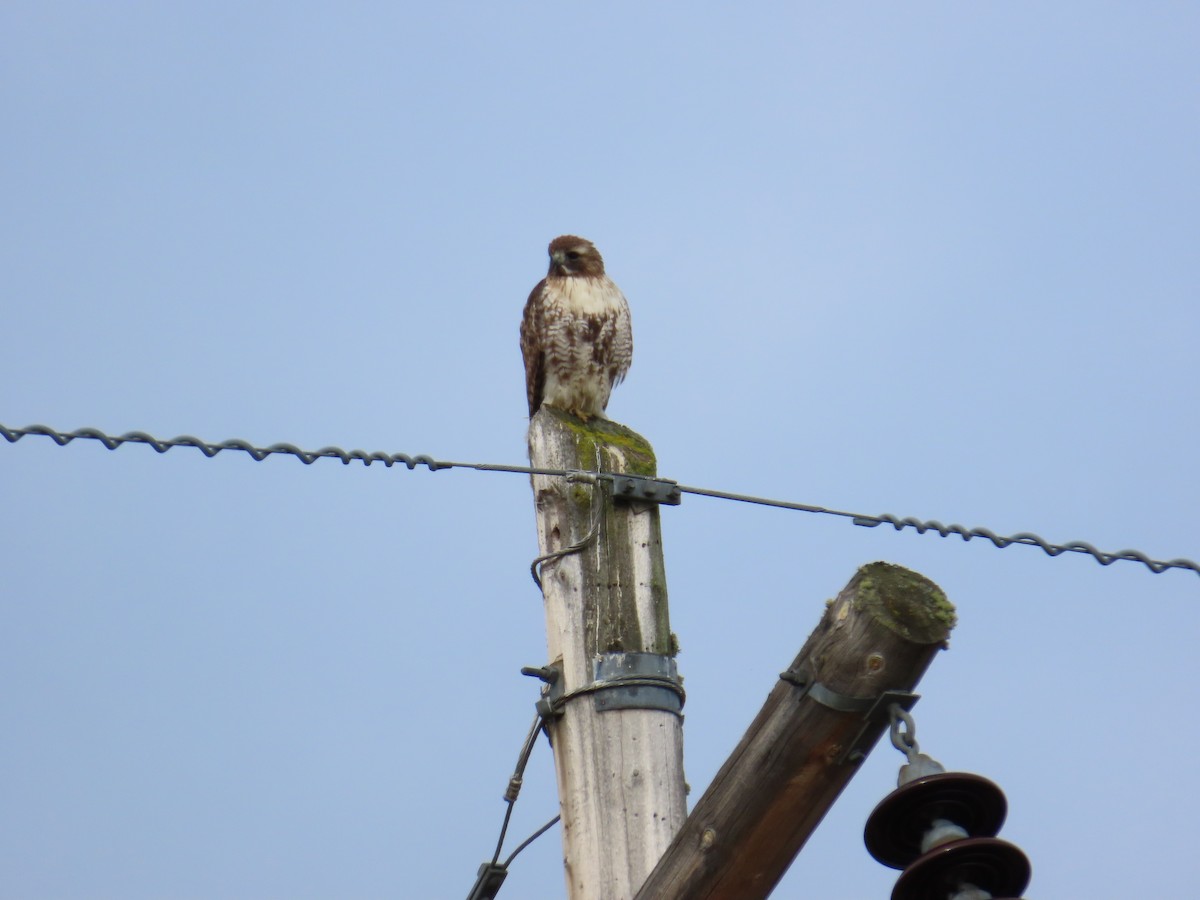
(614,696)
(819,722)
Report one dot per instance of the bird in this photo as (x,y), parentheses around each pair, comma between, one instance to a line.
(576,335)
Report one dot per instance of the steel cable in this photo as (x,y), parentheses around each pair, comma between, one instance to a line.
(12,435)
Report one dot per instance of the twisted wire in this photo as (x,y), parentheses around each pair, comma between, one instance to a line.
(258,454)
(1031,540)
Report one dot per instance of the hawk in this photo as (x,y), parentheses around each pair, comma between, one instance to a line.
(576,336)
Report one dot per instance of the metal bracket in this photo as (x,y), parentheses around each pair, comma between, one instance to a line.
(874,710)
(875,721)
(621,681)
(839,702)
(547,705)
(637,681)
(651,490)
(824,695)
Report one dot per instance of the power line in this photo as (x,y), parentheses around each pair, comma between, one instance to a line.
(663,485)
(491,875)
(936,527)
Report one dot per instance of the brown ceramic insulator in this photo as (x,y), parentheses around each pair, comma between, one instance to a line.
(898,824)
(996,866)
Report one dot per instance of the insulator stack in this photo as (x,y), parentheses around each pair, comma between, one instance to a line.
(941,830)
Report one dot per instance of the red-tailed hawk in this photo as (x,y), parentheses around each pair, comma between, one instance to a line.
(576,337)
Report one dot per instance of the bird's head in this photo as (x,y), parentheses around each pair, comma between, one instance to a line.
(570,255)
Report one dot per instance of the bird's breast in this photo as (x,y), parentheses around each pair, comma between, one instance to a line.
(588,296)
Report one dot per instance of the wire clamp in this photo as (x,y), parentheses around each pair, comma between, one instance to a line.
(488,881)
(650,490)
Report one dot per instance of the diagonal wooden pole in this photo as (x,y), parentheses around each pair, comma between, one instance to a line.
(618,751)
(821,719)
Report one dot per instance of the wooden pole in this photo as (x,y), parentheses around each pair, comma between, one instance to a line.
(619,771)
(805,745)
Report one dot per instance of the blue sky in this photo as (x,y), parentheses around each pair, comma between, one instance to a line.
(937,260)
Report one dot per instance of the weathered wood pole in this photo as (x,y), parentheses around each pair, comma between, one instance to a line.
(619,771)
(878,636)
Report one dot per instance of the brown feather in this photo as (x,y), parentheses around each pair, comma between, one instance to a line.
(531,351)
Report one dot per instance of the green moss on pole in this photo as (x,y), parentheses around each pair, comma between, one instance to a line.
(904,602)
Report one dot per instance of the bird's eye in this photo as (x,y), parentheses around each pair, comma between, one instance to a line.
(572,254)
